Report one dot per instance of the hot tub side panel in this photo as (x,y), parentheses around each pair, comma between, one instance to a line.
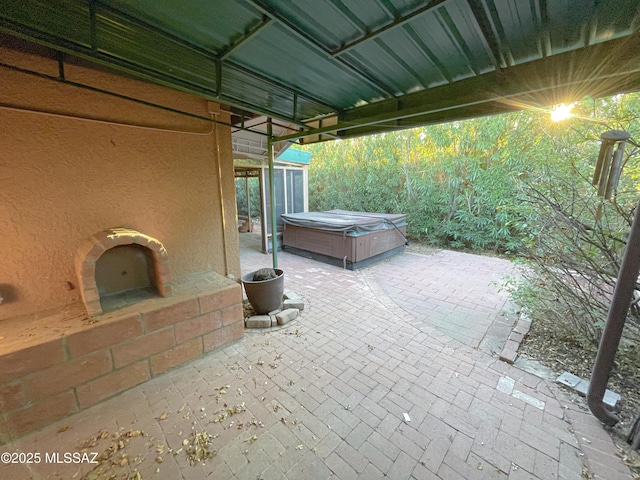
(336,248)
(332,244)
(373,244)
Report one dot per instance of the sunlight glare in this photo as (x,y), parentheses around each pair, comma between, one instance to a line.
(561,112)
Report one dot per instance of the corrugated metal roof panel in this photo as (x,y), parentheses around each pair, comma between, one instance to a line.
(51,18)
(305,67)
(348,59)
(519,21)
(465,32)
(240,88)
(209,24)
(431,29)
(117,36)
(320,20)
(615,19)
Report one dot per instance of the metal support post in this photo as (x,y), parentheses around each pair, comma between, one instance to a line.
(272,196)
(612,333)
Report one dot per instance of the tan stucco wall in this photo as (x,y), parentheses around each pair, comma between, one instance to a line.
(63,179)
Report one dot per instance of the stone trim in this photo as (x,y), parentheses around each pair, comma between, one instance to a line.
(92,249)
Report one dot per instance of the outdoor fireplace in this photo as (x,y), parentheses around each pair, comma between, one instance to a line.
(119,265)
(64,278)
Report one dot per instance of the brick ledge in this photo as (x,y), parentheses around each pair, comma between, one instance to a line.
(61,364)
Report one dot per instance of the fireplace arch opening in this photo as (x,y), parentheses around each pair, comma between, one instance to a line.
(125,274)
(120,266)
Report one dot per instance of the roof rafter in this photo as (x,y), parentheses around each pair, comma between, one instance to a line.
(247,36)
(349,15)
(298,32)
(389,26)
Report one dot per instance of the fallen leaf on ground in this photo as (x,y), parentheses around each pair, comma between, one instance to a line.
(200,450)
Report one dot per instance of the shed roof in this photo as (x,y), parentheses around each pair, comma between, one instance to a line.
(337,68)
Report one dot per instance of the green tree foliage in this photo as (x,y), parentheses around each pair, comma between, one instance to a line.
(458,183)
(254,196)
(578,240)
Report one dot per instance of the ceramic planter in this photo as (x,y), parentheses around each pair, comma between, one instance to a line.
(266,295)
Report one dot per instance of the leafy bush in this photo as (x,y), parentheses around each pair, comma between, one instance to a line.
(254,196)
(457,182)
(578,239)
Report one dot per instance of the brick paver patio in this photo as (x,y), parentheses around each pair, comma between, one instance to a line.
(371,381)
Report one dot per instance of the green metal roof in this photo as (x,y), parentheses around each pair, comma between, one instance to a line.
(294,155)
(351,67)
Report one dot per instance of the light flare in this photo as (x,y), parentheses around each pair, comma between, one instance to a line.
(561,112)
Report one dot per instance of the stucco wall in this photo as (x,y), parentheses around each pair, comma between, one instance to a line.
(64,178)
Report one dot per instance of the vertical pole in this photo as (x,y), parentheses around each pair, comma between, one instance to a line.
(272,196)
(622,296)
(246,187)
(263,211)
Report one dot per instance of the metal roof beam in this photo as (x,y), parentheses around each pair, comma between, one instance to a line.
(598,70)
(298,32)
(389,26)
(349,15)
(247,36)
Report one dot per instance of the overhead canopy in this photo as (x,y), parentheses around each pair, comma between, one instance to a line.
(338,68)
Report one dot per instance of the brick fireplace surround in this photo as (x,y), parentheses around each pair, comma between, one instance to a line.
(67,361)
(93,248)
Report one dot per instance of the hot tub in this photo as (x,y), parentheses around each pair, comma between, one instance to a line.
(340,237)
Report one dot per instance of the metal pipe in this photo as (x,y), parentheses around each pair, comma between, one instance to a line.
(246,187)
(612,333)
(272,196)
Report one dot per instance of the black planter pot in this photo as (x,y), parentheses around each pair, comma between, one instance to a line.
(266,295)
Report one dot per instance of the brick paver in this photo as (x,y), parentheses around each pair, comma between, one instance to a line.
(324,396)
